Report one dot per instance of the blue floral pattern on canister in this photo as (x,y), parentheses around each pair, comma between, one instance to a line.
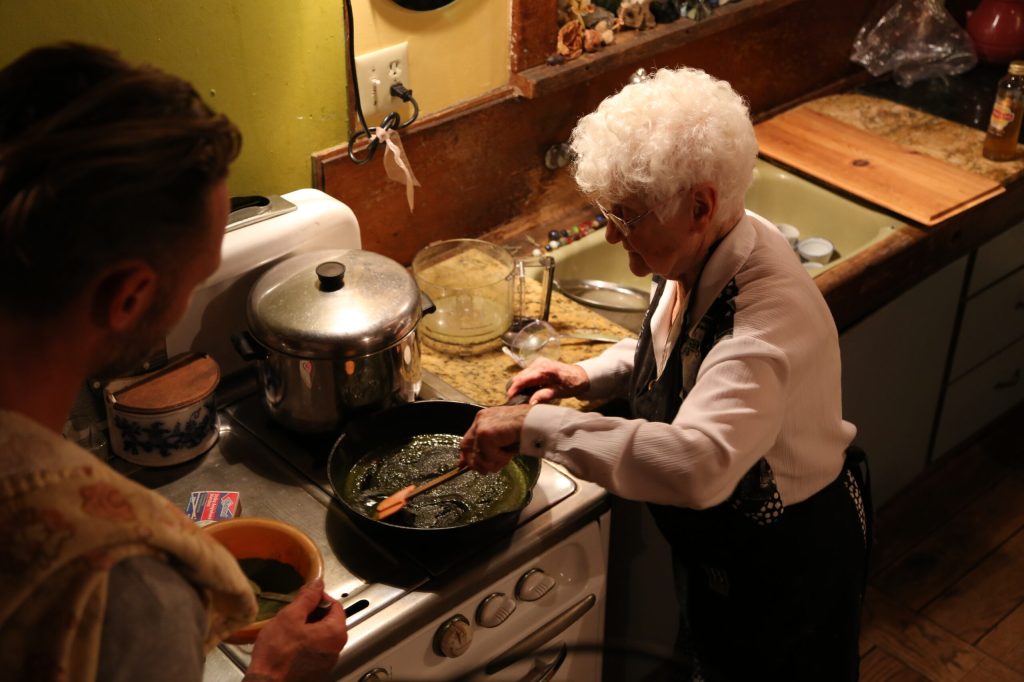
(167,439)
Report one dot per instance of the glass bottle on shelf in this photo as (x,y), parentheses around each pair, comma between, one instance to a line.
(1007,112)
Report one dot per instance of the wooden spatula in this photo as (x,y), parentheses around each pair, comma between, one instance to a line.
(396,501)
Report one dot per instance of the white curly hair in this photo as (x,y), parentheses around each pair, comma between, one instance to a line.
(666,133)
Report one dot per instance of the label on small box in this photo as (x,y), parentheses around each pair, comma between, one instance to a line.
(207,506)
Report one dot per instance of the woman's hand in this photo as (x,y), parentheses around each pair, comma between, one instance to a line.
(551,379)
(493,439)
(291,649)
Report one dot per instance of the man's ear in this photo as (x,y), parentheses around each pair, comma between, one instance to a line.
(123,294)
(705,201)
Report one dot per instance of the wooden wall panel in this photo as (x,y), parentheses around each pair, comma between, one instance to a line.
(482,165)
(534,32)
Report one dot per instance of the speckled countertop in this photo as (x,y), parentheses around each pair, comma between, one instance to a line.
(482,372)
(939,138)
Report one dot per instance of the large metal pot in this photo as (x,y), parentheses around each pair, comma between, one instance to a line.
(333,334)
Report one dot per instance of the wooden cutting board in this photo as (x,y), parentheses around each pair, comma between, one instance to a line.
(918,187)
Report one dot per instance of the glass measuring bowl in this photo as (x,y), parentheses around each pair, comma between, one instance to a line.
(470,282)
(479,291)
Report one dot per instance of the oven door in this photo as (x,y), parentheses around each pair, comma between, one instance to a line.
(566,648)
(543,621)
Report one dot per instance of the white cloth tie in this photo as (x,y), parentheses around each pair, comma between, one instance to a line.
(396,163)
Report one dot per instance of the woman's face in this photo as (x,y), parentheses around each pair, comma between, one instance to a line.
(675,248)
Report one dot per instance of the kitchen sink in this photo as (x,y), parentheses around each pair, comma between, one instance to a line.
(596,273)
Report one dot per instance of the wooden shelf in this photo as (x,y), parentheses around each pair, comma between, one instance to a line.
(636,46)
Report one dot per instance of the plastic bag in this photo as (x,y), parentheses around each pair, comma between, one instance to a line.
(915,39)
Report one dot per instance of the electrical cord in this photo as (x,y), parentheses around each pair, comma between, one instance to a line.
(393,121)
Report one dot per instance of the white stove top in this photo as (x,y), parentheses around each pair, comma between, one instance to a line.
(282,475)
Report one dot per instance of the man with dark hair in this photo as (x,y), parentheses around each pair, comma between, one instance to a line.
(113,203)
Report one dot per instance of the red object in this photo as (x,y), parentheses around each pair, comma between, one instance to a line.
(997,29)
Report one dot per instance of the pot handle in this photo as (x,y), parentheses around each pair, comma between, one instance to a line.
(247,347)
(426,303)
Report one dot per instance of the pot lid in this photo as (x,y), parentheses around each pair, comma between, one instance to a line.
(337,303)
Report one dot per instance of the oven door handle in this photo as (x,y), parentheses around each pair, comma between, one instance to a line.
(545,672)
(542,635)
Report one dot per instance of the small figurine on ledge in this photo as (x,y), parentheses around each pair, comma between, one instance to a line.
(589,25)
(584,28)
(636,14)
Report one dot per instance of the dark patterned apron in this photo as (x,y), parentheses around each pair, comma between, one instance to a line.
(768,592)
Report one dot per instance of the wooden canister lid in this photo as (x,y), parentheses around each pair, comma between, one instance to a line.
(184,380)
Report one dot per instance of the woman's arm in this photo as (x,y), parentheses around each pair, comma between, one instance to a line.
(727,422)
(610,372)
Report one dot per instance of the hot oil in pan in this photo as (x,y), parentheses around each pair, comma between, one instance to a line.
(468,498)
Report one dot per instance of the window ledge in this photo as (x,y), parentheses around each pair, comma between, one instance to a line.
(636,46)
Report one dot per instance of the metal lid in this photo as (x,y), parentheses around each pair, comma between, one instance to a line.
(331,304)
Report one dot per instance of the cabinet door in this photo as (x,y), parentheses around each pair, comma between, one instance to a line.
(893,364)
(993,320)
(641,603)
(998,258)
(980,396)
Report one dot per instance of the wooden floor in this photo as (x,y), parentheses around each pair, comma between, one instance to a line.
(945,599)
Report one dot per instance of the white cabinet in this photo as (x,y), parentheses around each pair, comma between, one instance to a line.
(998,258)
(981,395)
(993,320)
(987,376)
(642,605)
(893,366)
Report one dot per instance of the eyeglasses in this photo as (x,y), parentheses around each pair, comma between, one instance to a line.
(623,225)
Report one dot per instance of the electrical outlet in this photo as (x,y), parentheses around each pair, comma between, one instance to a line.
(377,72)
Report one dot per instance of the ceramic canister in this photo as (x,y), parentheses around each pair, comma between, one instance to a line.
(165,417)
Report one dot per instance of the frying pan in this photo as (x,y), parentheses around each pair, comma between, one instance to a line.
(394,427)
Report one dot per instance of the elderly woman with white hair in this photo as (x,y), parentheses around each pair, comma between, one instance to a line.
(736,439)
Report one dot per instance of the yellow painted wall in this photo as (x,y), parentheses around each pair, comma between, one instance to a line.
(277,68)
(274,67)
(455,53)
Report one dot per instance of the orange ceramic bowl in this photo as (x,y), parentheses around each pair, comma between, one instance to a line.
(259,538)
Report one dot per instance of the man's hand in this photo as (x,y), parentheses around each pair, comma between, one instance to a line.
(288,649)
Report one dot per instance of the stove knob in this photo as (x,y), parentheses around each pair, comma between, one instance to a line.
(495,609)
(453,638)
(534,584)
(375,675)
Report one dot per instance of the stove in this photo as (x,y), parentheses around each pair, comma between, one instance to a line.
(533,592)
(391,591)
